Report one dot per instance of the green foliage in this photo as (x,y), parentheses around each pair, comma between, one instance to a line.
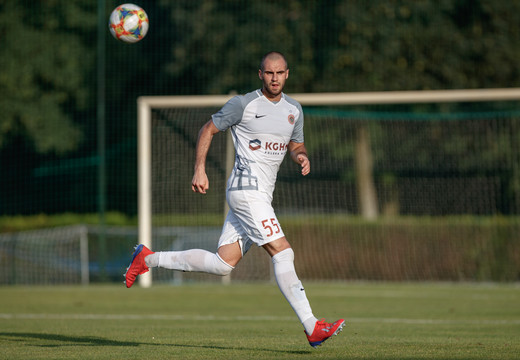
(381,45)
(455,248)
(220,43)
(346,45)
(44,65)
(407,248)
(48,81)
(213,47)
(41,221)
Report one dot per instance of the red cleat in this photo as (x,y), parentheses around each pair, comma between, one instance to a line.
(137,266)
(323,331)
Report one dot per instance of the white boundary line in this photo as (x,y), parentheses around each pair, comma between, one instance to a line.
(7,316)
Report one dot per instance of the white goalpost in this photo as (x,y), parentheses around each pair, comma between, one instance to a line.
(147,104)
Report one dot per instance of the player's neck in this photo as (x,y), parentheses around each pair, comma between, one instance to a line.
(271,97)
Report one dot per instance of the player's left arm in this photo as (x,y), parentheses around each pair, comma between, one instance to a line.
(298,154)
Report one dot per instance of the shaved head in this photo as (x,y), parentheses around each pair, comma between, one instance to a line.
(273,72)
(272,55)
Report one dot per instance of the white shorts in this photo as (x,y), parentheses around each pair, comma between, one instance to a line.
(251,219)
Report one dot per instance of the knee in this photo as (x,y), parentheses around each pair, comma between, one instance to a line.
(277,246)
(224,271)
(221,267)
(284,255)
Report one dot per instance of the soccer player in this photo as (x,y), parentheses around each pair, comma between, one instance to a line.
(265,124)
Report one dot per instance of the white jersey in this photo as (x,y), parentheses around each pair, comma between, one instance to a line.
(261,131)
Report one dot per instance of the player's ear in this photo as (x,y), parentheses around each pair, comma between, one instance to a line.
(260,74)
(287,74)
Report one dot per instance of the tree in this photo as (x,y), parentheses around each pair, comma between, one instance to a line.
(415,45)
(43,61)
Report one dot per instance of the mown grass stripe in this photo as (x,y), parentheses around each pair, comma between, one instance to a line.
(250,318)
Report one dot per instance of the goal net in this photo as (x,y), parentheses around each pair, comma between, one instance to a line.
(79,254)
(46,256)
(404,186)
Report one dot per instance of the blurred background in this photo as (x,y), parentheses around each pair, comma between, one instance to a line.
(68,129)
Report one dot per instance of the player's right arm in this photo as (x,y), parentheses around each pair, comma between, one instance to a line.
(200,181)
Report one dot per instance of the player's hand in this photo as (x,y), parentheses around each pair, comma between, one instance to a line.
(304,163)
(200,183)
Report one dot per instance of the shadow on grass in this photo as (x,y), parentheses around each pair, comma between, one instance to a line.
(66,340)
(57,340)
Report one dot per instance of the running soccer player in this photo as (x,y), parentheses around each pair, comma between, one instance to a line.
(265,124)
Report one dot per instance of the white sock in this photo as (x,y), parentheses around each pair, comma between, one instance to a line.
(292,288)
(195,260)
(152,260)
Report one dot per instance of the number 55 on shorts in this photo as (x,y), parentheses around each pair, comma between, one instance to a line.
(271,226)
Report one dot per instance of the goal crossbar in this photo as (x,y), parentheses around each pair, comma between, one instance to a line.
(346,98)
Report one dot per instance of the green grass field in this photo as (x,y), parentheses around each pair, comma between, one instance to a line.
(253,321)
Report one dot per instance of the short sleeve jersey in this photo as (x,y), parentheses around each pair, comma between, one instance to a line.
(261,131)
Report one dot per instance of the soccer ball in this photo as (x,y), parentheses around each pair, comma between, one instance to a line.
(128,23)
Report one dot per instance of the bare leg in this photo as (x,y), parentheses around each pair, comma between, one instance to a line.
(230,253)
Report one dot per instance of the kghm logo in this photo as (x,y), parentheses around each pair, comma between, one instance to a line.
(275,146)
(291,119)
(255,144)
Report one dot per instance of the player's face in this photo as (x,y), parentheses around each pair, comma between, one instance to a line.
(273,77)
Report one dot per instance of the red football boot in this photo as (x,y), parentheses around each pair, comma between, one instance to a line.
(323,331)
(137,266)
